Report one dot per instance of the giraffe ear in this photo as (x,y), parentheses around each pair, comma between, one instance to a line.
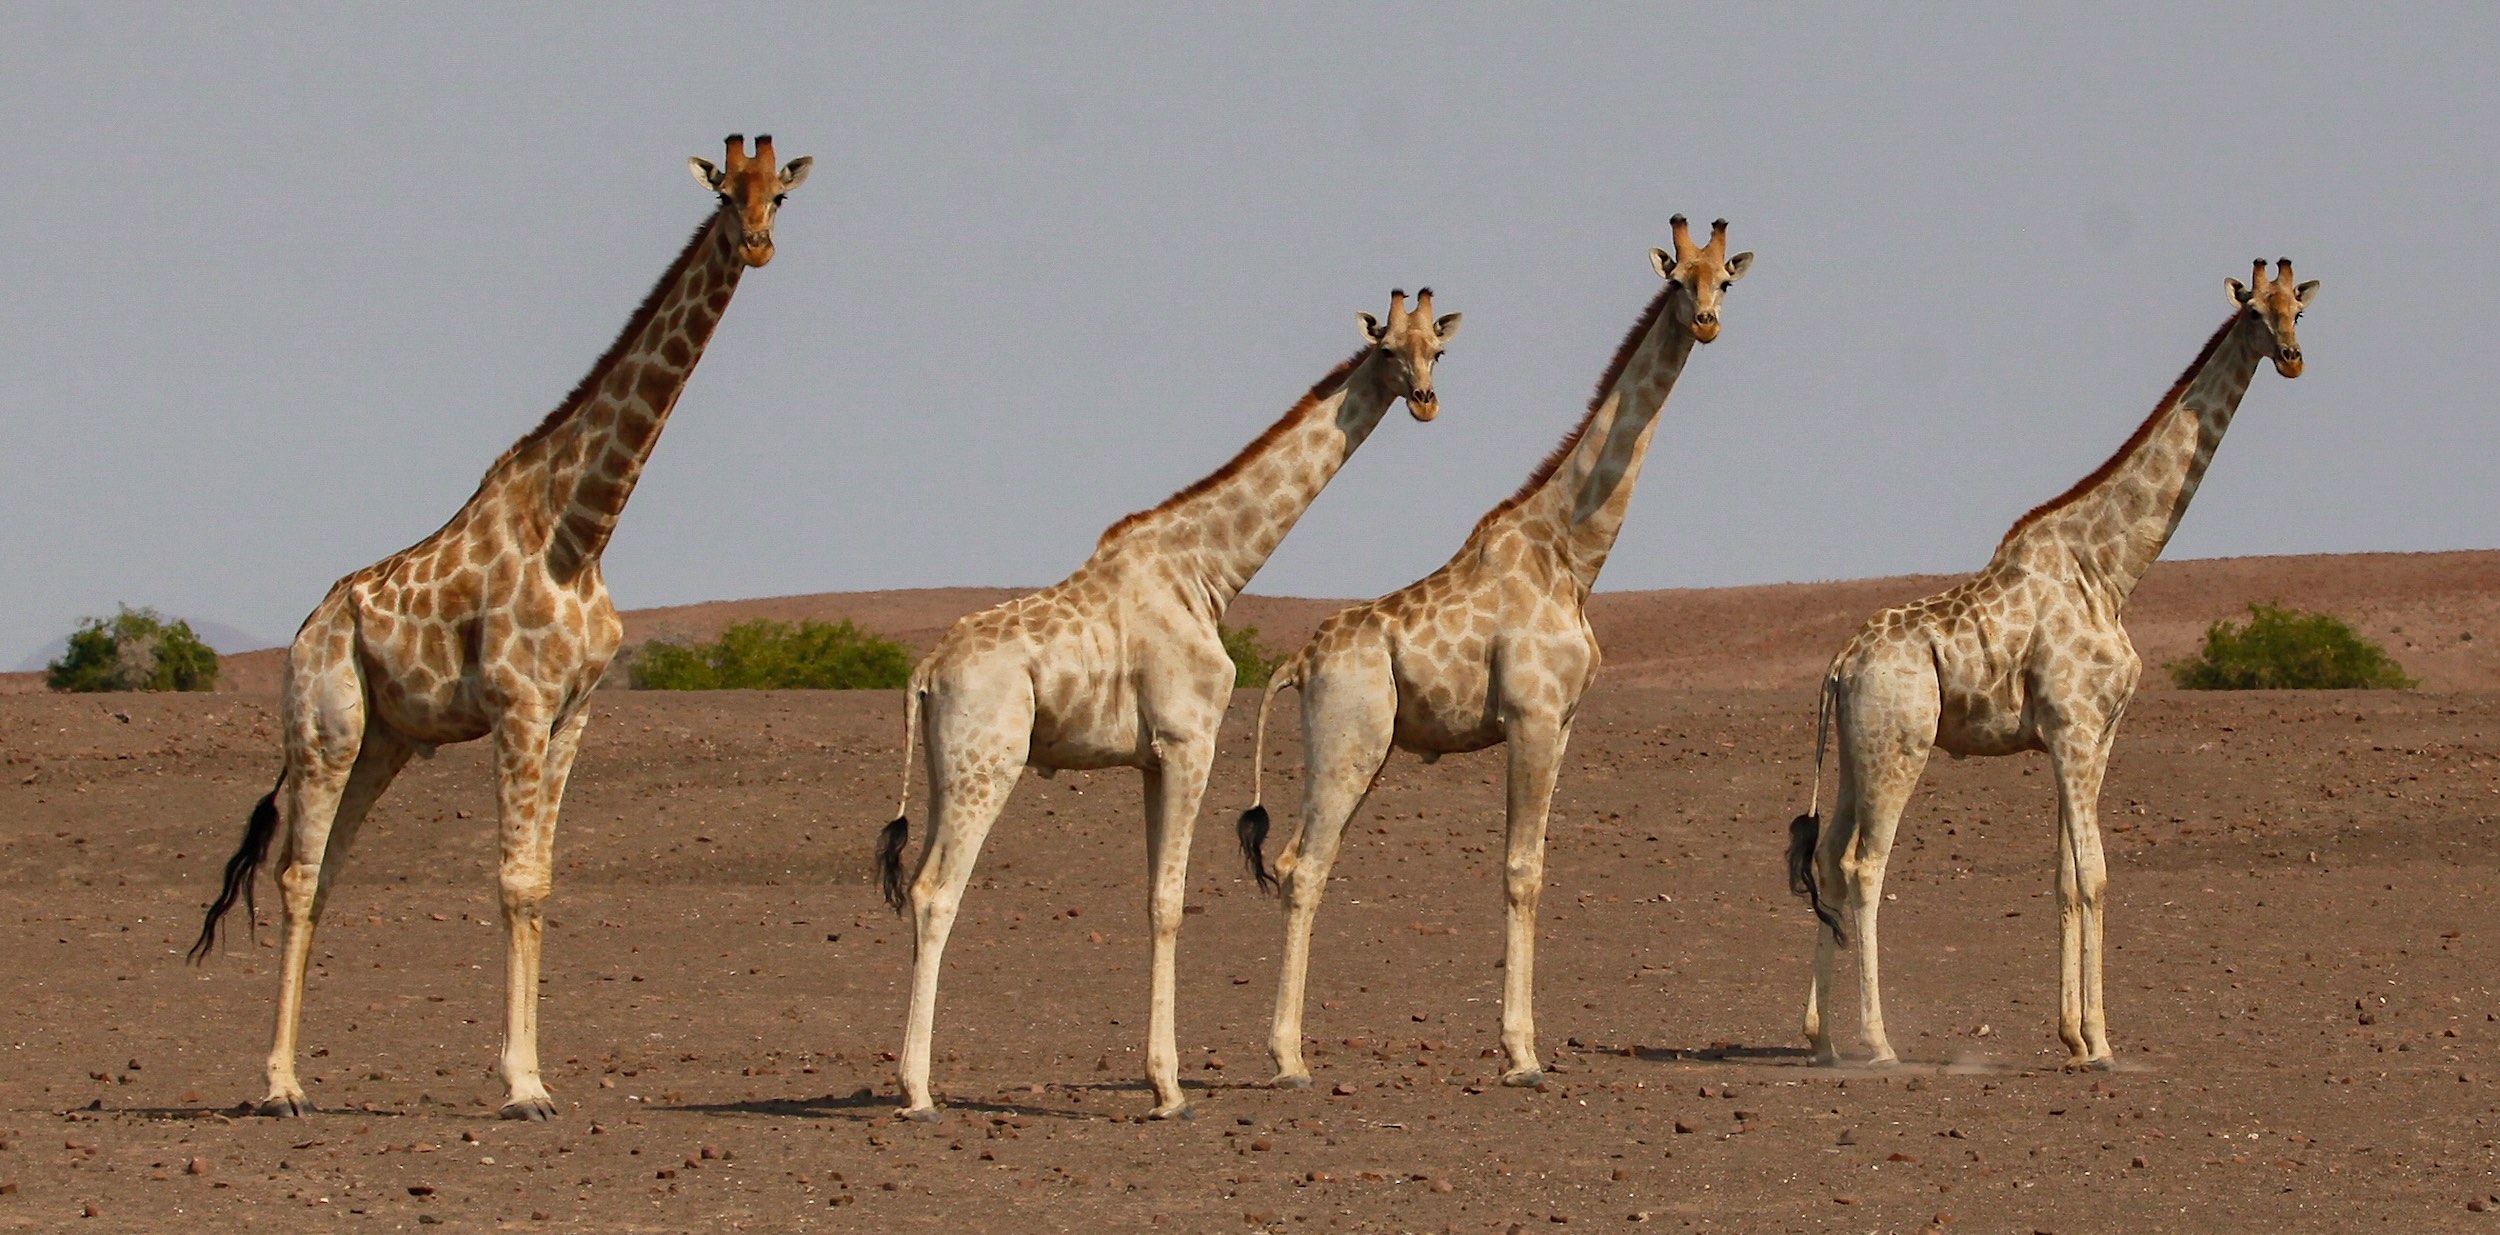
(1373,331)
(2239,291)
(705,174)
(1662,263)
(1447,326)
(1738,265)
(2307,292)
(794,173)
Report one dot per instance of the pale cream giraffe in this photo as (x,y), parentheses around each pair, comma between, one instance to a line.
(497,624)
(2029,654)
(1492,648)
(1120,665)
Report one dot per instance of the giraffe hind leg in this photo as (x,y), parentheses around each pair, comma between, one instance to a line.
(1347,732)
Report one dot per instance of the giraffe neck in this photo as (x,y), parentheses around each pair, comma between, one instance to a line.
(1217,533)
(581,463)
(1580,506)
(2116,521)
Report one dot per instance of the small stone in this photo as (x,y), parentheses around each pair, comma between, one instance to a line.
(1844,1199)
(90,1211)
(420,1189)
(1438,1185)
(2139,1162)
(2478,1205)
(1682,1127)
(1848,1136)
(196,1166)
(1342,1090)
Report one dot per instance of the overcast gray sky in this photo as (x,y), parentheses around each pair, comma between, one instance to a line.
(278,283)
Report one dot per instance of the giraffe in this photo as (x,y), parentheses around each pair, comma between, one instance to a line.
(1120,665)
(1492,648)
(497,624)
(2028,654)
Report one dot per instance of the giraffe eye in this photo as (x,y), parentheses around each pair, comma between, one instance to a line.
(779,198)
(1437,354)
(2298,314)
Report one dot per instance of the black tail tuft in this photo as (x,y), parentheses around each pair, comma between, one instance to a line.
(890,860)
(1253,831)
(241,871)
(1803,832)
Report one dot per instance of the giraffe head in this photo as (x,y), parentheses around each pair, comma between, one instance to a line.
(1701,274)
(751,189)
(1409,342)
(2278,304)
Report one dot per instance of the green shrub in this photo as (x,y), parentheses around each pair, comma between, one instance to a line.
(769,655)
(1253,663)
(2289,649)
(135,649)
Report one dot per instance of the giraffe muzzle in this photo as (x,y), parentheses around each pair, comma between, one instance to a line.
(1423,404)
(1705,327)
(2287,362)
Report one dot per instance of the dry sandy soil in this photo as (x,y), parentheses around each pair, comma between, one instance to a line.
(2301,975)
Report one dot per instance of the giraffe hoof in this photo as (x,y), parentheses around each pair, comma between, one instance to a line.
(1529,1079)
(533,1110)
(283,1106)
(919,1114)
(1884,1061)
(1178,1110)
(1291,1080)
(2102,1064)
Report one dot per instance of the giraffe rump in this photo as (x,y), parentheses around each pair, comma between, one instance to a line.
(242,870)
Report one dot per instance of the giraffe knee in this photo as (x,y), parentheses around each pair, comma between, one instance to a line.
(525,891)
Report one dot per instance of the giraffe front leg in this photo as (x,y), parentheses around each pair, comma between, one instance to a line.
(1348,728)
(2080,759)
(526,756)
(1173,792)
(1536,750)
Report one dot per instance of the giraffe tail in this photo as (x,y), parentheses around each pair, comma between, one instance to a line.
(1806,830)
(242,870)
(898,833)
(1253,826)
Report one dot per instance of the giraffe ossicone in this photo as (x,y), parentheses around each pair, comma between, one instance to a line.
(1492,648)
(2028,654)
(497,624)
(1121,665)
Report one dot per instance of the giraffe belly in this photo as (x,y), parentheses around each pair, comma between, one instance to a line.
(1446,718)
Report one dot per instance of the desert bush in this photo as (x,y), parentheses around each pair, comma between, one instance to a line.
(1253,662)
(769,655)
(135,649)
(2289,649)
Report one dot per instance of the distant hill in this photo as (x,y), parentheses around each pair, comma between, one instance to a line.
(2439,613)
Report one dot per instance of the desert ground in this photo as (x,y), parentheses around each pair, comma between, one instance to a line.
(2301,975)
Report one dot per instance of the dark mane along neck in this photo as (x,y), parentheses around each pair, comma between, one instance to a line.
(634,326)
(1325,387)
(2134,440)
(1605,386)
